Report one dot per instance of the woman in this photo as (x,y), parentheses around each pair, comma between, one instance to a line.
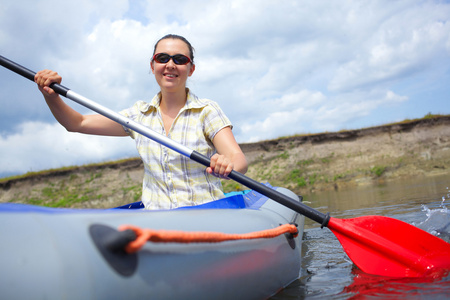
(170,179)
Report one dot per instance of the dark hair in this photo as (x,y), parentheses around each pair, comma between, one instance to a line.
(177,37)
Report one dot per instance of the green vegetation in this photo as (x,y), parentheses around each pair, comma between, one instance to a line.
(378,170)
(231,186)
(284,155)
(327,159)
(338,176)
(67,169)
(296,177)
(79,189)
(306,162)
(60,196)
(136,190)
(426,117)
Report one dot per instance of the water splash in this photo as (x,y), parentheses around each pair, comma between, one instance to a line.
(438,219)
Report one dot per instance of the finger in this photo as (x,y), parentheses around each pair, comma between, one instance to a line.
(213,161)
(47,77)
(48,90)
(219,168)
(40,75)
(228,169)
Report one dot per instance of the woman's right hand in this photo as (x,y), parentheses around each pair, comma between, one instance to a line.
(43,79)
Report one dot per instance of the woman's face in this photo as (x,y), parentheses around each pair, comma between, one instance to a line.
(170,76)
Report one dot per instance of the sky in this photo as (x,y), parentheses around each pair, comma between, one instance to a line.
(277,68)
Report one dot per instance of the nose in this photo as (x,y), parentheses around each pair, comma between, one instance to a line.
(170,63)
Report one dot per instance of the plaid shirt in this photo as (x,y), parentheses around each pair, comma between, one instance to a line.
(172,180)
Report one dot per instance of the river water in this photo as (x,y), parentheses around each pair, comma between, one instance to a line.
(327,271)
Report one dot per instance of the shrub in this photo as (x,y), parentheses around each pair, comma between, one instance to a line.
(378,170)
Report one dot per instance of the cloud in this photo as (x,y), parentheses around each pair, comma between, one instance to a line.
(306,109)
(276,70)
(36,146)
(404,44)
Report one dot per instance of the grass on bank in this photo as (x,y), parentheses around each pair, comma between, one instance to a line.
(67,169)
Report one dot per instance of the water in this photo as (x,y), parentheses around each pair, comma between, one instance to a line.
(328,273)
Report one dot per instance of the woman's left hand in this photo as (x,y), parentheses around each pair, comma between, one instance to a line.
(220,166)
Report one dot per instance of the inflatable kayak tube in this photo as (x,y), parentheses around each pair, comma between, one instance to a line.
(49,253)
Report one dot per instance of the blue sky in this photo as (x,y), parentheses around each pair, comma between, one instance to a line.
(275,69)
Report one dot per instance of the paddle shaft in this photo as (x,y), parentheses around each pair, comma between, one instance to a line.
(194,155)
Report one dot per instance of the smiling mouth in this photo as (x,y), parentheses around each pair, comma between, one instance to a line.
(171,75)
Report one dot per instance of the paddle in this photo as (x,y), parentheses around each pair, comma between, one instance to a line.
(377,245)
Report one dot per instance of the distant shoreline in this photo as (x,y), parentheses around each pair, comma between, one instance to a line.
(302,163)
(325,161)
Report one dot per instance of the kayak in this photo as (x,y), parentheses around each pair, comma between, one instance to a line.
(51,253)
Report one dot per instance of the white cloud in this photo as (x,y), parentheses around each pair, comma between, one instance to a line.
(36,146)
(403,44)
(296,113)
(276,70)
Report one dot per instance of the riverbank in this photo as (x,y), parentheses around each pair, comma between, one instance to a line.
(302,163)
(343,159)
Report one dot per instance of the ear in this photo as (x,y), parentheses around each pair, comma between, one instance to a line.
(191,71)
(152,66)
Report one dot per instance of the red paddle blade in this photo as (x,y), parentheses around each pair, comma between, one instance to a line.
(389,247)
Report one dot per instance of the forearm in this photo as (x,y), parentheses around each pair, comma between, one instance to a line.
(64,114)
(69,118)
(229,155)
(73,121)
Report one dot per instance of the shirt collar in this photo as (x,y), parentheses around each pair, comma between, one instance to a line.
(192,102)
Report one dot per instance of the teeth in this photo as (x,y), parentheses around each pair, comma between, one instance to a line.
(171,75)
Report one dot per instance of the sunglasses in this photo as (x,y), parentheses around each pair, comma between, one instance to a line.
(178,59)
